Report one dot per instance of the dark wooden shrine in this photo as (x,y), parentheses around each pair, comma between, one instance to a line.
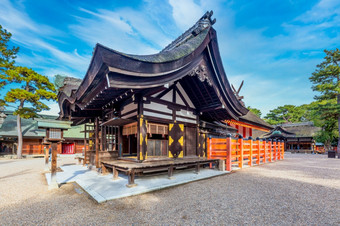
(144,108)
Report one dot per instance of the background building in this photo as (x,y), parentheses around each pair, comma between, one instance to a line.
(33,135)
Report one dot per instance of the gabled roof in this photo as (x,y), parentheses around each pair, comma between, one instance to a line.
(253,119)
(31,128)
(304,129)
(112,73)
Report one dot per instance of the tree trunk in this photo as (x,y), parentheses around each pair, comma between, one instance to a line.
(20,141)
(338,148)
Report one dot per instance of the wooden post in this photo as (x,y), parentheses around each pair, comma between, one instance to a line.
(270,150)
(131,178)
(139,154)
(228,159)
(115,173)
(120,141)
(250,162)
(170,172)
(53,183)
(274,149)
(279,149)
(258,142)
(240,141)
(197,168)
(85,147)
(283,149)
(210,150)
(265,151)
(104,169)
(97,141)
(143,137)
(47,156)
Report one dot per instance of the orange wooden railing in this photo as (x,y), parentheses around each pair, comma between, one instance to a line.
(239,152)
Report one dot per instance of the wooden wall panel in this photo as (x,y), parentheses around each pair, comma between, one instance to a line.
(32,147)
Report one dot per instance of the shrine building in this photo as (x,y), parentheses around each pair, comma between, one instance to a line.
(155,107)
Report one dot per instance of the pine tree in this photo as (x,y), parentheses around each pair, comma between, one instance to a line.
(255,111)
(326,81)
(7,56)
(34,89)
(287,114)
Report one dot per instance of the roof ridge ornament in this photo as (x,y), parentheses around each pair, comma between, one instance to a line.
(203,23)
(201,72)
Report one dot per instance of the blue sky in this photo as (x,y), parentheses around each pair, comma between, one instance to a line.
(273,46)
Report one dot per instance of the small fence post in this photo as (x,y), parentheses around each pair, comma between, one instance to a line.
(240,141)
(279,149)
(283,149)
(258,151)
(275,150)
(228,159)
(250,163)
(265,151)
(210,150)
(270,150)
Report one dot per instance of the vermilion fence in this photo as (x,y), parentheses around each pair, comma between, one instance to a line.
(240,152)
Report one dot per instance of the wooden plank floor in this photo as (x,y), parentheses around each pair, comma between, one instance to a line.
(151,164)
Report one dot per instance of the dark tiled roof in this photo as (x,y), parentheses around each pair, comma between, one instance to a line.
(70,85)
(30,127)
(182,46)
(251,118)
(304,129)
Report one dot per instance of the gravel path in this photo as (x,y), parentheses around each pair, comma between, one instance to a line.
(302,189)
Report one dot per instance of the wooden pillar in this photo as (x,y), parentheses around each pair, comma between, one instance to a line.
(228,159)
(144,138)
(120,141)
(139,154)
(209,150)
(47,156)
(265,151)
(74,147)
(274,150)
(258,159)
(240,161)
(270,150)
(85,147)
(53,183)
(250,163)
(278,149)
(283,149)
(97,141)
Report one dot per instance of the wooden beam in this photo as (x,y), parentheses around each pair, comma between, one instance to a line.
(210,107)
(170,105)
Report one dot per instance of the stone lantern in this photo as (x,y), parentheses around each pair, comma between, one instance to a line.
(54,135)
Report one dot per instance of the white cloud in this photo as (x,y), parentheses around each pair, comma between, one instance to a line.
(38,38)
(54,109)
(125,30)
(186,13)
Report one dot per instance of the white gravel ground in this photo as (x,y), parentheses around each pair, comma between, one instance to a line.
(303,189)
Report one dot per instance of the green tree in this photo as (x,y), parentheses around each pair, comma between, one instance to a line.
(287,114)
(255,111)
(34,89)
(7,56)
(326,81)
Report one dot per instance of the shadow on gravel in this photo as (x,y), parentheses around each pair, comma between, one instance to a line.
(16,174)
(5,162)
